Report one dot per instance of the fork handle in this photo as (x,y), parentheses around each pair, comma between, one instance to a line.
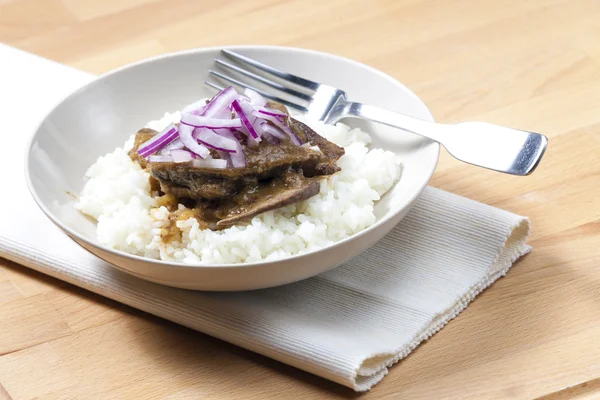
(404,122)
(486,145)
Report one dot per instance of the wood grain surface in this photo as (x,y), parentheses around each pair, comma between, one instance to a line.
(530,64)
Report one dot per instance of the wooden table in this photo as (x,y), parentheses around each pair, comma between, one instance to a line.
(534,65)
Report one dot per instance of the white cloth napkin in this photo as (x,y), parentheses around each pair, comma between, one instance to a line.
(348,325)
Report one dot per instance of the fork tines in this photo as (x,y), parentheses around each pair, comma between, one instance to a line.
(287,78)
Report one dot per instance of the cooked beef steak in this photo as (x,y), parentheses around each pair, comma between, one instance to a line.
(291,187)
(263,161)
(331,152)
(142,136)
(275,175)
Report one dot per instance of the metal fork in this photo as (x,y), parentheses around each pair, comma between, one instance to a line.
(486,145)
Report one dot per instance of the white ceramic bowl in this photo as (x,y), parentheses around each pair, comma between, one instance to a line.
(100,116)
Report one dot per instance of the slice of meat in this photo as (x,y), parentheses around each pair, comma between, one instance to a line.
(268,160)
(263,161)
(142,136)
(331,151)
(290,188)
(210,191)
(187,181)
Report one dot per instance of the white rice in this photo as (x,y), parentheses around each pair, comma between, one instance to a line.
(117,194)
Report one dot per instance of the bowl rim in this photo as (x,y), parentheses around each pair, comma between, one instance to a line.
(177,265)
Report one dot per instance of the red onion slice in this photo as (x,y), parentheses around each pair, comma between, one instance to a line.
(251,142)
(219,104)
(238,136)
(270,138)
(174,145)
(212,163)
(262,111)
(273,131)
(185,134)
(160,159)
(181,156)
(256,100)
(224,156)
(217,142)
(286,129)
(243,110)
(243,97)
(210,123)
(250,113)
(238,160)
(158,141)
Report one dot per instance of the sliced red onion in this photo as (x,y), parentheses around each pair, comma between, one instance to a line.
(271,130)
(269,138)
(243,110)
(251,142)
(255,99)
(224,114)
(160,159)
(238,160)
(181,156)
(250,113)
(238,136)
(256,123)
(217,142)
(219,104)
(210,123)
(262,111)
(243,97)
(185,134)
(224,156)
(247,137)
(212,163)
(158,141)
(174,145)
(286,129)
(243,133)
(196,108)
